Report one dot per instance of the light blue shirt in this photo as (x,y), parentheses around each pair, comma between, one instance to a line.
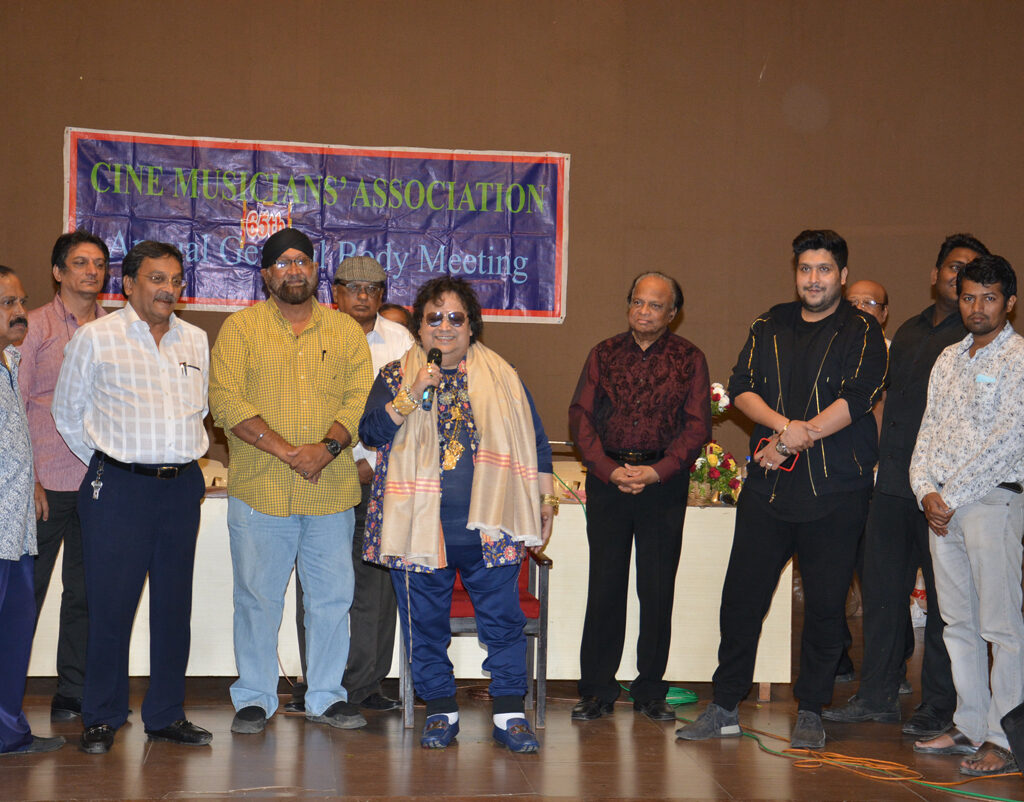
(17,478)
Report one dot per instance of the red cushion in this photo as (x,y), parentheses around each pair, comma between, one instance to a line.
(462,607)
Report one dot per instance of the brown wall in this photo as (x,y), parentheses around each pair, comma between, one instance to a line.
(703,136)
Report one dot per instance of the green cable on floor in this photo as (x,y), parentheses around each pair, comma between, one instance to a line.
(675,696)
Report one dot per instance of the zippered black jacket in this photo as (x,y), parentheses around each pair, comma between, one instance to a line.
(851,360)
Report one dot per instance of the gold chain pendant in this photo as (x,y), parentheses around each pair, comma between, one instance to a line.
(453,451)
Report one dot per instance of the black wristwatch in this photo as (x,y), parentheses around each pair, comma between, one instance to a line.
(333,446)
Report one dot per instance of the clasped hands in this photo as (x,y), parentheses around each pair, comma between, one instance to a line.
(633,479)
(798,436)
(307,460)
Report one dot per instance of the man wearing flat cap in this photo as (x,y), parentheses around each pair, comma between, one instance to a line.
(288,381)
(359,288)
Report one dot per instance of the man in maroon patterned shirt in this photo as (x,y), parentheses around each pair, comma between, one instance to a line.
(640,416)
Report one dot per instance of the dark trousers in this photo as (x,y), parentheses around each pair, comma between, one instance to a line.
(653,520)
(761,547)
(139,526)
(896,543)
(425,606)
(371,619)
(16,626)
(63,527)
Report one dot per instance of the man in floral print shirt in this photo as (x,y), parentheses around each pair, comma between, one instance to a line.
(17,531)
(967,473)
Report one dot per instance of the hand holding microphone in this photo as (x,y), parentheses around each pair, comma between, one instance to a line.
(428,379)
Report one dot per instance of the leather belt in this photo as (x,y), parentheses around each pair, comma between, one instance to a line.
(1013,487)
(635,456)
(159,471)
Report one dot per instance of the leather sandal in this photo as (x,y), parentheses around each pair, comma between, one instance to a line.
(962,745)
(1009,765)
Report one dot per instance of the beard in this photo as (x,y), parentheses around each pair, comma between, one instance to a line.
(827,300)
(294,293)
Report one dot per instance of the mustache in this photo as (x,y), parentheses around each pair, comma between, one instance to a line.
(165,296)
(18,321)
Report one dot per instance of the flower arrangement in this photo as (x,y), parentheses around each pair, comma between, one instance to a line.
(715,476)
(719,400)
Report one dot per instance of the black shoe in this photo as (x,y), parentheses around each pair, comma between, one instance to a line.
(378,701)
(846,676)
(859,710)
(182,732)
(65,708)
(38,745)
(590,707)
(343,715)
(249,720)
(927,722)
(295,705)
(656,710)
(97,739)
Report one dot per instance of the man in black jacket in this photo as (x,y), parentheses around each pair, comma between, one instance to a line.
(807,376)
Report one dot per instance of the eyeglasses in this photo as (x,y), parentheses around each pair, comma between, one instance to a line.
(455,318)
(159,279)
(370,290)
(866,304)
(302,263)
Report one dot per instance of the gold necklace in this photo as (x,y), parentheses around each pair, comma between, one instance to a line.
(453,451)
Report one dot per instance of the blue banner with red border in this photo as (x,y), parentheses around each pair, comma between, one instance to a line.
(497,219)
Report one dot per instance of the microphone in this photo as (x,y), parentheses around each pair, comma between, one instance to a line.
(433,358)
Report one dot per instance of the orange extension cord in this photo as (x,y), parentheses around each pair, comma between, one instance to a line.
(870,768)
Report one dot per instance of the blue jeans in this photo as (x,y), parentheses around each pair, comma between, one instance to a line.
(263,550)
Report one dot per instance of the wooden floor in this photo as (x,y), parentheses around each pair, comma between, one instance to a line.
(624,756)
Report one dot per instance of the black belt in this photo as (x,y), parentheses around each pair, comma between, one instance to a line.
(159,471)
(1013,487)
(635,456)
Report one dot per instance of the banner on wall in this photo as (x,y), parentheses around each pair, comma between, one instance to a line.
(497,219)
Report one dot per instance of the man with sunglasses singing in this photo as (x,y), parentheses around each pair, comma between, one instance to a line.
(288,382)
(359,288)
(640,416)
(808,376)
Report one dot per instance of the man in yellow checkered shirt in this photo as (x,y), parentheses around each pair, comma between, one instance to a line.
(288,381)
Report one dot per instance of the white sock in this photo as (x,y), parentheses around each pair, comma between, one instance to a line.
(501,720)
(452,717)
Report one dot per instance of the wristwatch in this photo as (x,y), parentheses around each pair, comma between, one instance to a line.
(333,446)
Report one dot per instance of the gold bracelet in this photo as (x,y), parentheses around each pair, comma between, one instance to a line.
(782,431)
(404,403)
(551,500)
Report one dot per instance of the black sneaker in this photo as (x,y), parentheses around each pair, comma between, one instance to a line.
(249,720)
(342,715)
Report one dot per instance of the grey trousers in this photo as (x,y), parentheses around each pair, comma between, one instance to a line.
(978,580)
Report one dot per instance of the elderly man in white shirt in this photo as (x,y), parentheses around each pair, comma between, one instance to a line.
(968,476)
(130,402)
(360,284)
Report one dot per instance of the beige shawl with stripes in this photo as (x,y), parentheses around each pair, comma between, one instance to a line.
(505,498)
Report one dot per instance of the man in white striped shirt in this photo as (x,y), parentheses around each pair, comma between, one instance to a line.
(130,403)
